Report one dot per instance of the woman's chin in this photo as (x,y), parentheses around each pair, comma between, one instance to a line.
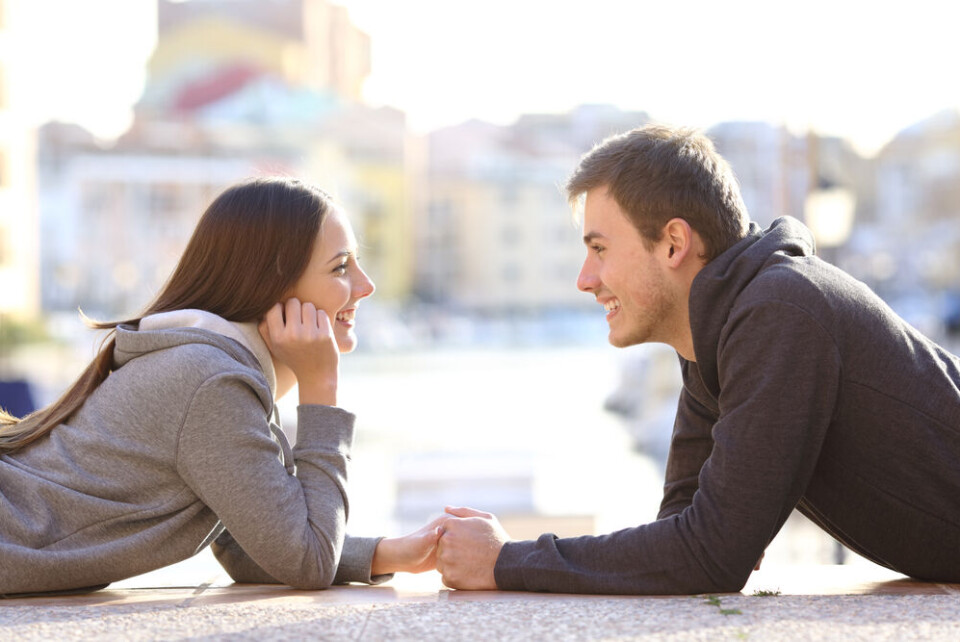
(347,343)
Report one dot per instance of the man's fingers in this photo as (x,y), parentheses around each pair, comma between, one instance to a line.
(462,511)
(437,525)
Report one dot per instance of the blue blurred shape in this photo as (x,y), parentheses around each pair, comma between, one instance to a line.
(15,397)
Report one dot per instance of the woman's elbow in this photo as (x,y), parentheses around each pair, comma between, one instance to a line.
(317,581)
(317,570)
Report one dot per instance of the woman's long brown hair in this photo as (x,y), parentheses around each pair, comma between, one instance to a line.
(248,249)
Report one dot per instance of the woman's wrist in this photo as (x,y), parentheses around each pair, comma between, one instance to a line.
(323,392)
(384,558)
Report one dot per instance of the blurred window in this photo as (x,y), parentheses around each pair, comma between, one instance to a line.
(164,198)
(510,236)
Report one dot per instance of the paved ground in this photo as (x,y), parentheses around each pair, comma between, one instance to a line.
(196,601)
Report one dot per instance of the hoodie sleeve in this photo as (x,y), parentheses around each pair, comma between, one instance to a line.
(355,561)
(690,445)
(779,373)
(292,527)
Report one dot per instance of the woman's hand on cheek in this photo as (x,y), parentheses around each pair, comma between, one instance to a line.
(301,337)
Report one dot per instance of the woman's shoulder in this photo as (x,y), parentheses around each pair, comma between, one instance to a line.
(188,358)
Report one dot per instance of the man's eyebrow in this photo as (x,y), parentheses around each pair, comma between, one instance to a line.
(590,236)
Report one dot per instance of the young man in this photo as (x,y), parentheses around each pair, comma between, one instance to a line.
(802,389)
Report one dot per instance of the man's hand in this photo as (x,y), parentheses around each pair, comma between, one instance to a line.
(468,549)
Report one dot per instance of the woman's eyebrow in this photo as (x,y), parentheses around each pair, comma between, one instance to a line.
(340,255)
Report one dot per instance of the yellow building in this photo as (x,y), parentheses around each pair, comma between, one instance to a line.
(304,43)
(371,164)
(235,88)
(499,243)
(19,285)
(211,50)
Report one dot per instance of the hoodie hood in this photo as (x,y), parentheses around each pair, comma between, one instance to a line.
(196,326)
(717,286)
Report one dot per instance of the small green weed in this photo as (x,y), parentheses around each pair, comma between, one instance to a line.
(713,600)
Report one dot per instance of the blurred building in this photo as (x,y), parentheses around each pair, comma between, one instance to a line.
(235,89)
(909,251)
(19,286)
(778,170)
(114,221)
(377,175)
(918,202)
(206,48)
(497,234)
(771,165)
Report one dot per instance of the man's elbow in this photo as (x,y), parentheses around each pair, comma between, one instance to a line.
(728,579)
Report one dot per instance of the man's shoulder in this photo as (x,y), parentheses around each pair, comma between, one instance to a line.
(804,282)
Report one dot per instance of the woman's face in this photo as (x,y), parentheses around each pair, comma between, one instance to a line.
(333,280)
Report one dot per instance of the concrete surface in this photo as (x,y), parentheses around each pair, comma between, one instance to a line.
(195,600)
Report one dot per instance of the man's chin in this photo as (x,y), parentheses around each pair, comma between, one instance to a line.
(621,342)
(626,337)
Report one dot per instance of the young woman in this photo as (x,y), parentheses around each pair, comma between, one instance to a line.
(168,441)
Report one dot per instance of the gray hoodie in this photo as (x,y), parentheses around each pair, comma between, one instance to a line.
(174,450)
(807,392)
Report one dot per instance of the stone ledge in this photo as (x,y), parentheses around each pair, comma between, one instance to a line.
(196,599)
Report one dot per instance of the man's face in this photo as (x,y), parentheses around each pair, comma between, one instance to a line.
(626,278)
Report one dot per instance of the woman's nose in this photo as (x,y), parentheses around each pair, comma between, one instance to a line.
(363,287)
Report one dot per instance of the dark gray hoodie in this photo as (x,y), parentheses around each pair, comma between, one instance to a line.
(175,449)
(807,392)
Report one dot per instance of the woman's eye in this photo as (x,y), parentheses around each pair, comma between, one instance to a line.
(340,270)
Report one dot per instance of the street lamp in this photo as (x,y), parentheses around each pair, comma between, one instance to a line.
(829,215)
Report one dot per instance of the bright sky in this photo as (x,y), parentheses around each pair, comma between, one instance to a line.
(863,70)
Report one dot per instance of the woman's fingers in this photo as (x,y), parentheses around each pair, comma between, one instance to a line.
(302,338)
(292,312)
(308,315)
(271,324)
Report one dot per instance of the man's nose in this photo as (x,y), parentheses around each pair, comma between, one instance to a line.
(587,281)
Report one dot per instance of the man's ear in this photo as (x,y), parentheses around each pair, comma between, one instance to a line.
(679,242)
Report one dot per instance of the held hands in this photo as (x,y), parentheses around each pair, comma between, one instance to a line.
(463,545)
(413,553)
(301,338)
(468,549)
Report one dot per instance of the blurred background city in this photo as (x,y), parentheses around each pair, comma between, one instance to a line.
(447,129)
